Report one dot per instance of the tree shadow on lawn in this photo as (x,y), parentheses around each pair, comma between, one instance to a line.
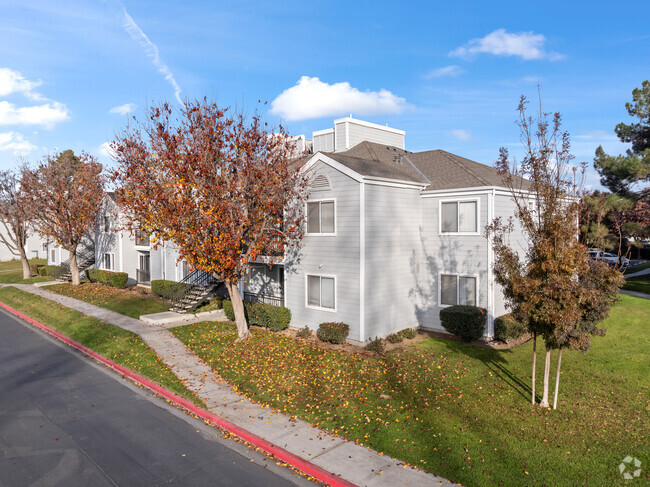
(495,361)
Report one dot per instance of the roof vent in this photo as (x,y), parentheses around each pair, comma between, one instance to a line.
(321,183)
(397,159)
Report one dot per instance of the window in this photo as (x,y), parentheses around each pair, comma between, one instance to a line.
(459,217)
(108,261)
(320,217)
(53,256)
(320,292)
(107,224)
(457,290)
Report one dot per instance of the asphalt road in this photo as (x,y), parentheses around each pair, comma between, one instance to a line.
(65,420)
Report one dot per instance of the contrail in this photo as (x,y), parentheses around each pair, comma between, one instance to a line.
(152,51)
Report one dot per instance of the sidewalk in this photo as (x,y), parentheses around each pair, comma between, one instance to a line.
(352,462)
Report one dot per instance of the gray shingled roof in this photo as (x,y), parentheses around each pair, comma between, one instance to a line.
(436,168)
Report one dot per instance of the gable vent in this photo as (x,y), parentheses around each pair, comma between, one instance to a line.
(320,183)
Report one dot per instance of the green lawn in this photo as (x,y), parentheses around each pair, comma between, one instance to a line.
(639,284)
(632,270)
(459,411)
(121,346)
(11,272)
(133,303)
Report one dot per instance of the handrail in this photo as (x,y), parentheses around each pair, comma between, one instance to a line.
(195,280)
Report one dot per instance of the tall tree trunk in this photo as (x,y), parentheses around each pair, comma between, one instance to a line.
(532,399)
(238,308)
(547,373)
(74,268)
(557,378)
(27,272)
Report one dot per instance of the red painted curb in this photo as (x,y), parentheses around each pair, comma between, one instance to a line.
(278,452)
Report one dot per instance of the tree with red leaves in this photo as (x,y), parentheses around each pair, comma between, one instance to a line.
(218,185)
(64,194)
(15,219)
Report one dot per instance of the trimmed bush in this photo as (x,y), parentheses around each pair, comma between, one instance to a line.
(303,332)
(36,269)
(275,318)
(375,345)
(507,328)
(395,338)
(115,279)
(467,322)
(409,332)
(160,286)
(333,332)
(51,270)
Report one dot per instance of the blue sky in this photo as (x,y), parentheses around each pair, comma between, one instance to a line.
(450,75)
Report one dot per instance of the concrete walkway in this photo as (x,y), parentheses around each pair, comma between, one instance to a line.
(640,273)
(354,463)
(635,293)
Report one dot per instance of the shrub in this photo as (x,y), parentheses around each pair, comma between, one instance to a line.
(160,286)
(333,332)
(303,332)
(115,279)
(507,328)
(218,301)
(275,318)
(395,338)
(467,322)
(375,345)
(227,309)
(409,332)
(51,270)
(36,269)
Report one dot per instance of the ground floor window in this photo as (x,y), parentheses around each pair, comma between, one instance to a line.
(53,256)
(321,292)
(108,262)
(455,289)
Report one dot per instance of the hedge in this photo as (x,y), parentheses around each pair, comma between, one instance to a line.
(51,270)
(507,328)
(275,318)
(114,279)
(467,322)
(161,286)
(333,332)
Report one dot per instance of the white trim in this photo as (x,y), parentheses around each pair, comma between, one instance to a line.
(347,134)
(461,200)
(491,307)
(112,259)
(320,234)
(458,276)
(362,262)
(500,190)
(320,157)
(397,183)
(322,132)
(369,124)
(120,237)
(321,308)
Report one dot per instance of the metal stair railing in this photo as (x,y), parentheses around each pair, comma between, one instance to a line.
(191,291)
(85,258)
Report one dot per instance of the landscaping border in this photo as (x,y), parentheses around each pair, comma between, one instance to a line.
(276,451)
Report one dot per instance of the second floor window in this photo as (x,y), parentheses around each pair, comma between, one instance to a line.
(320,217)
(459,217)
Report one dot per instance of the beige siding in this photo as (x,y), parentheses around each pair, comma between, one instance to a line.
(324,143)
(359,133)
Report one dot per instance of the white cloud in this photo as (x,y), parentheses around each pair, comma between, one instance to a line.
(452,70)
(526,45)
(312,98)
(106,150)
(460,134)
(16,143)
(46,114)
(151,50)
(14,82)
(123,109)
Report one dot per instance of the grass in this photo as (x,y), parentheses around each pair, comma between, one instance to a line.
(121,346)
(124,301)
(639,284)
(11,272)
(456,410)
(632,270)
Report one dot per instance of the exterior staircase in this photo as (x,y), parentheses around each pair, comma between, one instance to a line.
(85,259)
(187,295)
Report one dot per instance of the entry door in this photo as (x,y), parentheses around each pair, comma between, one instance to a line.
(145,262)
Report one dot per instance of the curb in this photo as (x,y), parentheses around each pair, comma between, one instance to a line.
(221,423)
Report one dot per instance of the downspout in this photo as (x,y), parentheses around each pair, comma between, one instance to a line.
(362,262)
(490,273)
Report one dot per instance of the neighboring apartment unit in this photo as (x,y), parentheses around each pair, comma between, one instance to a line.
(391,237)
